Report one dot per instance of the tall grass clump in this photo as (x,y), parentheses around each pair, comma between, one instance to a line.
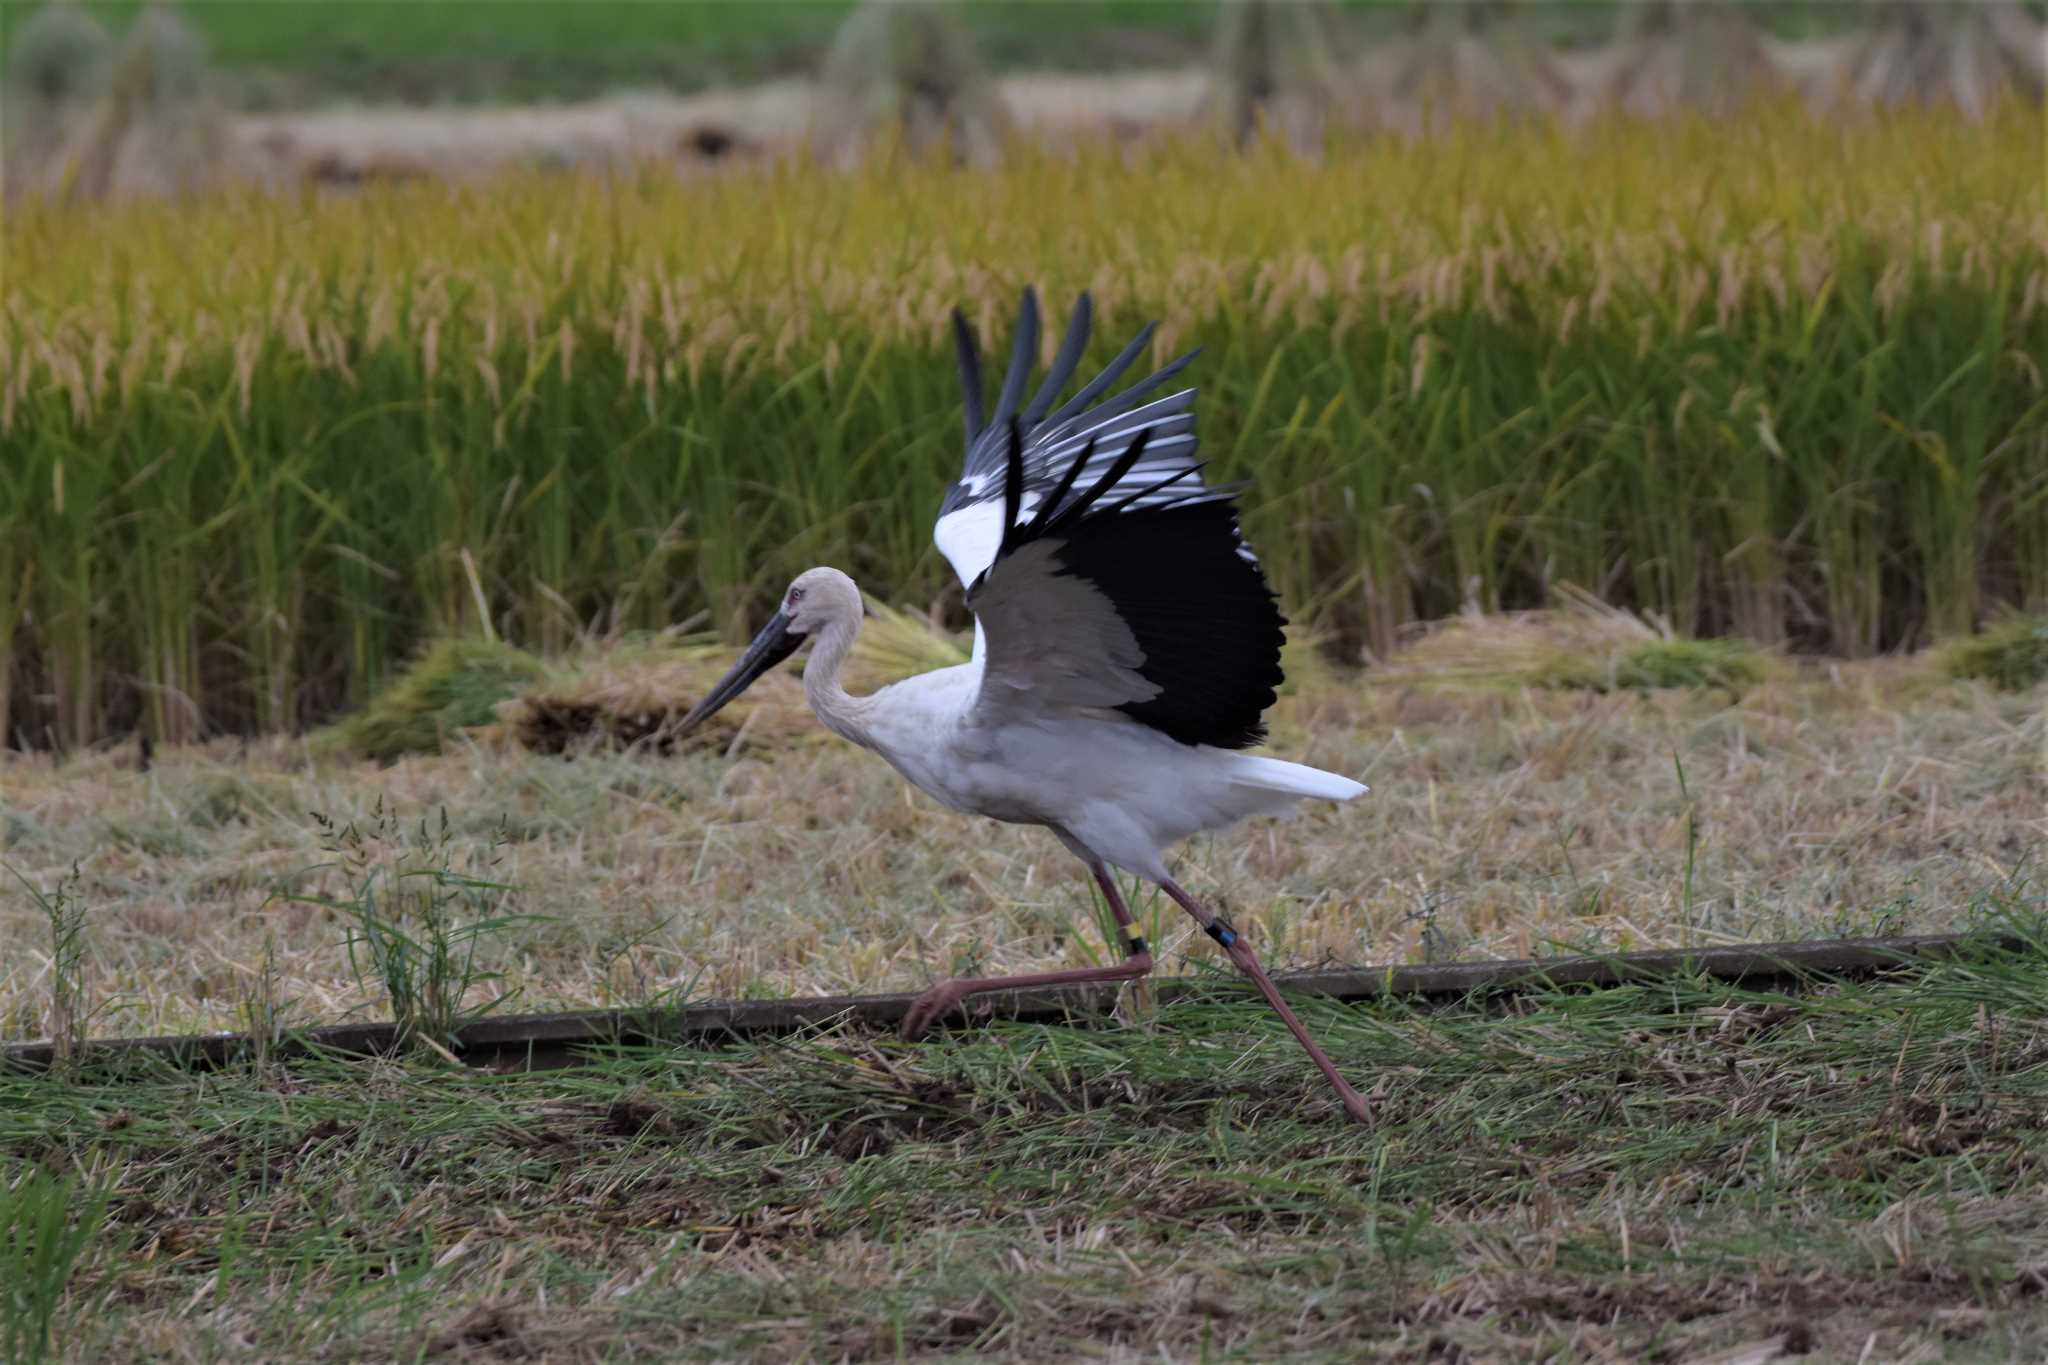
(415,922)
(48,1224)
(1768,376)
(70,1008)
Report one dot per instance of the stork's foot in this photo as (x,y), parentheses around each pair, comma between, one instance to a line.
(1355,1106)
(927,1009)
(945,997)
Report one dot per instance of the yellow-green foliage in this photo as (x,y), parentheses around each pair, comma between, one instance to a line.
(1587,646)
(456,684)
(2011,653)
(1727,665)
(257,446)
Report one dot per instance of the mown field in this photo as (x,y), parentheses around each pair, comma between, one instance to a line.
(1778,379)
(1507,819)
(1685,1172)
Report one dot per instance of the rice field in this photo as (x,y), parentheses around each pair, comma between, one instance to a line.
(1776,379)
(1742,415)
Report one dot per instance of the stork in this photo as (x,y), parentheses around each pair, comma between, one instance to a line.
(1125,648)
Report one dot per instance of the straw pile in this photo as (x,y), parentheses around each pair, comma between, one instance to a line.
(55,74)
(158,131)
(908,70)
(1706,55)
(1969,55)
(635,697)
(1275,67)
(1466,61)
(1586,646)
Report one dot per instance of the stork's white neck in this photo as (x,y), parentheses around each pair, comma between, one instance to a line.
(843,714)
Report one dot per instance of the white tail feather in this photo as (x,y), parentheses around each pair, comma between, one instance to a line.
(1294,779)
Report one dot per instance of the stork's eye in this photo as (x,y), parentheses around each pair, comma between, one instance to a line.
(796,595)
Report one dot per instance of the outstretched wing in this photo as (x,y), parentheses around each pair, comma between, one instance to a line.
(1132,595)
(1067,451)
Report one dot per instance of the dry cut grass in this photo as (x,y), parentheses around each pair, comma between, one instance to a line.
(1508,819)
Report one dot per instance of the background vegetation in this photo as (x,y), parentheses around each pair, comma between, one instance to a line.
(273,52)
(270,50)
(1779,378)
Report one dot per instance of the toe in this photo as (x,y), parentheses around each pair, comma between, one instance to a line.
(925,1011)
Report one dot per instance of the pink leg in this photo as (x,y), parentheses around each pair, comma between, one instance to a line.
(947,995)
(1241,954)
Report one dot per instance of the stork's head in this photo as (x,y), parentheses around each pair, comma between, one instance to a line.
(818,599)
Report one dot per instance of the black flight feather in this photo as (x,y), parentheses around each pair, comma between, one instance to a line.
(1134,452)
(1207,628)
(1044,516)
(1097,386)
(1013,489)
(1063,364)
(1022,353)
(970,376)
(1130,397)
(1174,477)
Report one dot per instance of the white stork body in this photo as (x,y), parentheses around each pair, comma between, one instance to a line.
(1126,646)
(1117,788)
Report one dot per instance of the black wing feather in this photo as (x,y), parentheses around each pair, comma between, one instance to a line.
(1123,504)
(1130,397)
(1045,435)
(1046,509)
(1118,487)
(1022,353)
(1097,386)
(1013,489)
(970,376)
(1064,364)
(1117,469)
(1206,624)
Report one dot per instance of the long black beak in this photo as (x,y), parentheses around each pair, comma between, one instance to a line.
(775,643)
